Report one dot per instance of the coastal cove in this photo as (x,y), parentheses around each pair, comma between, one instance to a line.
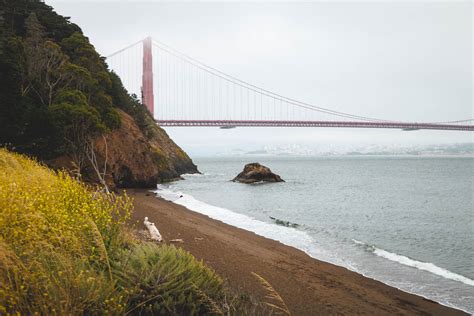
(232,158)
(354,212)
(308,286)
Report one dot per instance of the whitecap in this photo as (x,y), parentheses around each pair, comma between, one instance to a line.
(425,266)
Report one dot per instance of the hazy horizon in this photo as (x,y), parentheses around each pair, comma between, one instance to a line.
(403,61)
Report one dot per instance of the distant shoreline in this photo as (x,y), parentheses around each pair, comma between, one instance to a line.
(307,285)
(469,155)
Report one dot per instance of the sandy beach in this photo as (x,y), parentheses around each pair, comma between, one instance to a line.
(308,286)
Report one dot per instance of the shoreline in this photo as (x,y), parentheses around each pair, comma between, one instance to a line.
(308,286)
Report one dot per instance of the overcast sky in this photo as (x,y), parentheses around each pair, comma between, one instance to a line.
(401,60)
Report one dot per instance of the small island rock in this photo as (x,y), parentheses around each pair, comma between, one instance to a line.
(255,172)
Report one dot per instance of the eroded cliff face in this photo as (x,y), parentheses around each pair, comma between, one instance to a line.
(133,159)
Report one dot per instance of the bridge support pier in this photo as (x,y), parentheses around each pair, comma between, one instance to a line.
(147,77)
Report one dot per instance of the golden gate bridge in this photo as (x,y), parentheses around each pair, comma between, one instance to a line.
(187,92)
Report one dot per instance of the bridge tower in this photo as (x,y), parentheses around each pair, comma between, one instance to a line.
(147,77)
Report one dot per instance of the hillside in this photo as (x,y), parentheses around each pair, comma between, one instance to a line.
(60,103)
(65,250)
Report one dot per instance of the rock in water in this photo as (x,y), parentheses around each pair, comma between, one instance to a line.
(255,172)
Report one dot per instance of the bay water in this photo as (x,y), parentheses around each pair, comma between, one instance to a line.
(406,221)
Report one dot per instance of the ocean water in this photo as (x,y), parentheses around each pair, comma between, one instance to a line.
(406,221)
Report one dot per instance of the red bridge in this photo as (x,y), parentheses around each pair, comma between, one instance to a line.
(191,93)
(347,124)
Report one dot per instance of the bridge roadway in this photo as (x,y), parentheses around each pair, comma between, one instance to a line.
(347,124)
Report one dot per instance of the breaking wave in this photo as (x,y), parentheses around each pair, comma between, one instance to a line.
(287,235)
(425,266)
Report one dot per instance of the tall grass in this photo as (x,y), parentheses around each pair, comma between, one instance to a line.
(274,300)
(64,250)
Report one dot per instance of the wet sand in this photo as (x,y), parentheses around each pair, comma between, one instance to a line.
(308,286)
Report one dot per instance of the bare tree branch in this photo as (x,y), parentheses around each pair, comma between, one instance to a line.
(92,157)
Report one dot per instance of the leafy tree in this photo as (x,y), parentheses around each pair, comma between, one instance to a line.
(76,123)
(56,92)
(46,64)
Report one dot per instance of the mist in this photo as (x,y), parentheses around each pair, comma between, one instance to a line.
(408,61)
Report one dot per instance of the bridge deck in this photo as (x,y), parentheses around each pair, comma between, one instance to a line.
(347,124)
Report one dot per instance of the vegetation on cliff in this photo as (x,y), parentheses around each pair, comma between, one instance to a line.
(64,250)
(58,98)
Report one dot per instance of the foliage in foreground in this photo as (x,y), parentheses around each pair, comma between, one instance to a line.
(64,250)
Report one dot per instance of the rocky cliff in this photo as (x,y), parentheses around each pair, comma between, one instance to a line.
(136,161)
(130,159)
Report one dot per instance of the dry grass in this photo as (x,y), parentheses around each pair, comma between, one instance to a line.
(275,301)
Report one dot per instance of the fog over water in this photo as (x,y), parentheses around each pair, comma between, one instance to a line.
(396,60)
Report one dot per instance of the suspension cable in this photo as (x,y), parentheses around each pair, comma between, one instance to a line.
(270,94)
(124,49)
(257,89)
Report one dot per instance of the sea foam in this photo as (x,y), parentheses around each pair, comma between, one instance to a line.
(286,235)
(425,266)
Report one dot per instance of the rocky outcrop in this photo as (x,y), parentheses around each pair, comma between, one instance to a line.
(255,172)
(134,160)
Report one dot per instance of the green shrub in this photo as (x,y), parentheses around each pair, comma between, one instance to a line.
(168,280)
